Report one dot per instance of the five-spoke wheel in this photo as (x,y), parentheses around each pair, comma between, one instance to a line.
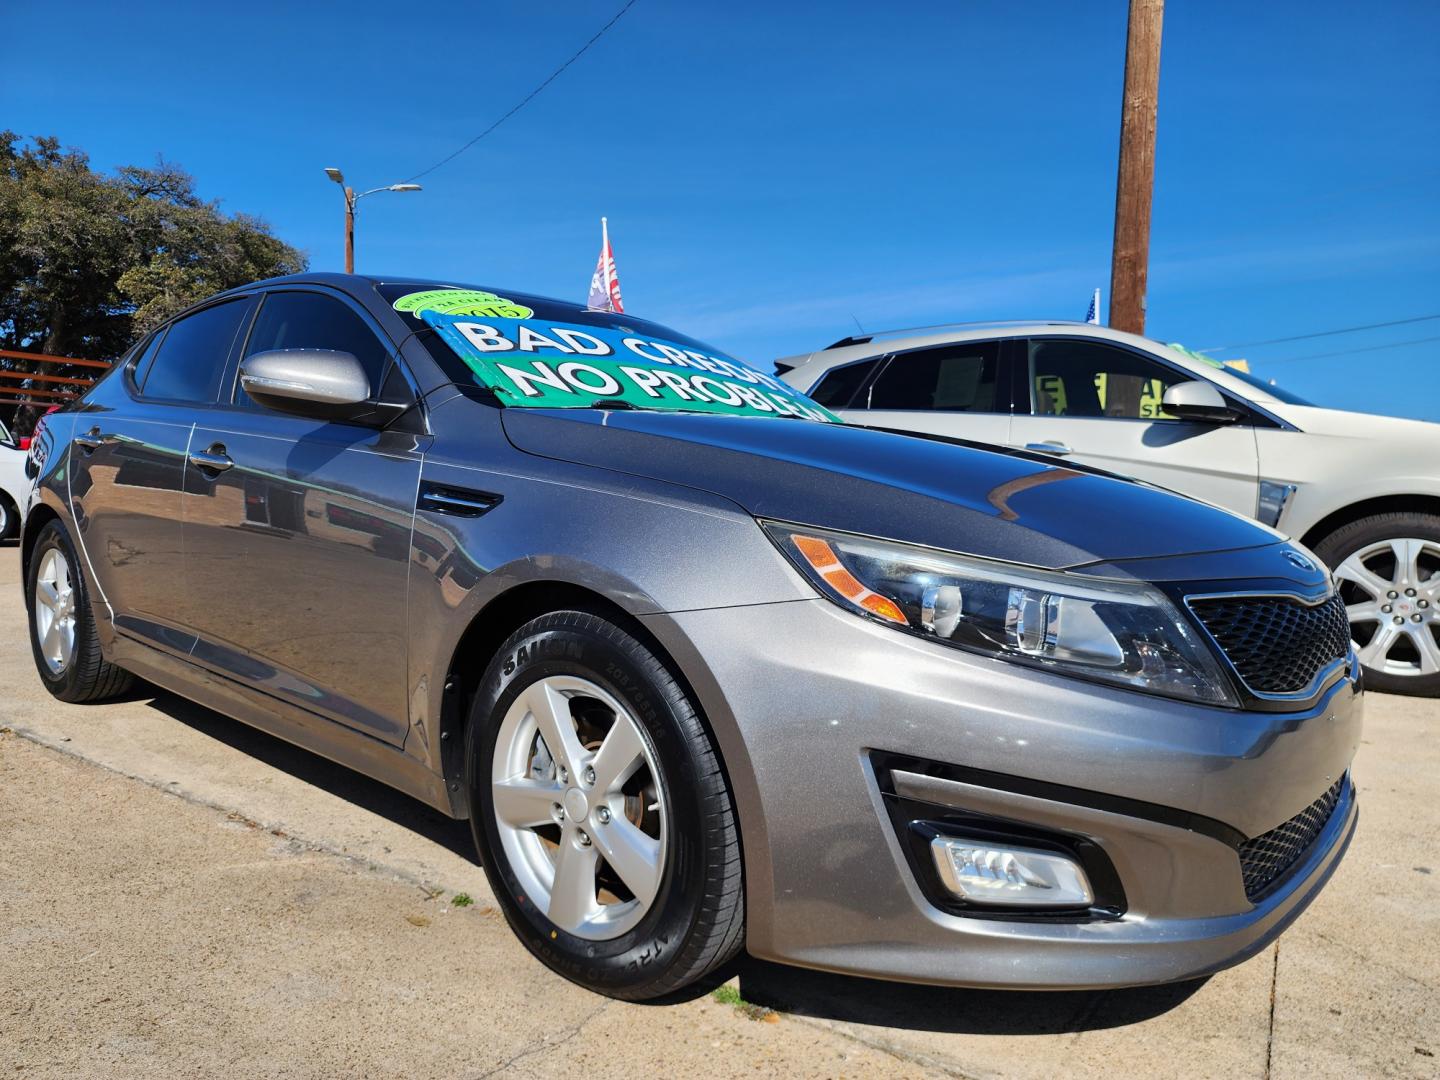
(578,806)
(55,610)
(601,809)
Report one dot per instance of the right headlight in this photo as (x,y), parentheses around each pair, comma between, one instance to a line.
(1120,632)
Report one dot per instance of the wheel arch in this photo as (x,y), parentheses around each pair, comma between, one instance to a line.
(40,515)
(1380,504)
(488,629)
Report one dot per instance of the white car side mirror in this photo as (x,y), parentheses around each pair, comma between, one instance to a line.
(1198,401)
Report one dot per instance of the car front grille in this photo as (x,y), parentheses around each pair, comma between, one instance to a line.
(1277,644)
(1265,859)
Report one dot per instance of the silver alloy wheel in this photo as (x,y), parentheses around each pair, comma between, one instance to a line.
(4,517)
(1396,590)
(580,807)
(55,601)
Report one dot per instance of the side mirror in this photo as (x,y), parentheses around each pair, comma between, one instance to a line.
(1199,401)
(307,382)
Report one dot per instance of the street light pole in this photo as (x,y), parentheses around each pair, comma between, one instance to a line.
(351,198)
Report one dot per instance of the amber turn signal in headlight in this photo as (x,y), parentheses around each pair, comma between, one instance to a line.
(1118,631)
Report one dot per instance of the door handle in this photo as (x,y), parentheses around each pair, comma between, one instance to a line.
(212,461)
(93,439)
(1050,446)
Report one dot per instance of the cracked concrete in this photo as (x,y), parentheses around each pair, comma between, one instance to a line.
(182,895)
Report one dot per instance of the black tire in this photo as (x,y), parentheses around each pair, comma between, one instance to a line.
(9,518)
(696,922)
(88,676)
(1358,535)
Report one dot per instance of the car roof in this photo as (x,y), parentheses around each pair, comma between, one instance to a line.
(808,368)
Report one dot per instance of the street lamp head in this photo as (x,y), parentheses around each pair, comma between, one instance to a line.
(336,175)
(404,187)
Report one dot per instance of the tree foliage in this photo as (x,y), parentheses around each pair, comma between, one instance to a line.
(89,261)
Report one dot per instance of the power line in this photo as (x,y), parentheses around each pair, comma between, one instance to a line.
(1351,352)
(527,98)
(1322,333)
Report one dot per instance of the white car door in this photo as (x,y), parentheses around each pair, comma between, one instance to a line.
(13,484)
(954,390)
(1099,403)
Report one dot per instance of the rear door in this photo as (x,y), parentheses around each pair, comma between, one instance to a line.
(127,468)
(1098,402)
(957,390)
(296,551)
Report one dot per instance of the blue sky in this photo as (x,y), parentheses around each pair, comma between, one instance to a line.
(773,172)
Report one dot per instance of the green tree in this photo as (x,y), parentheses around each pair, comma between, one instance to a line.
(90,261)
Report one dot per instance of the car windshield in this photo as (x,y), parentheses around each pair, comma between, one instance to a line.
(532,352)
(1268,386)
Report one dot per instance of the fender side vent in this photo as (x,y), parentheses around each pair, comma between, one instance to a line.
(456,502)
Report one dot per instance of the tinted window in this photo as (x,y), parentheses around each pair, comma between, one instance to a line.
(307,320)
(188,364)
(958,378)
(145,356)
(1085,378)
(837,387)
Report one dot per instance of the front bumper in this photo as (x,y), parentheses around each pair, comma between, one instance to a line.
(806,699)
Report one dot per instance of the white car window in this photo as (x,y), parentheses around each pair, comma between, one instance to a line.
(1070,377)
(952,378)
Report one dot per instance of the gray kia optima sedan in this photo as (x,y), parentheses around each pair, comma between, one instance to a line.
(705,669)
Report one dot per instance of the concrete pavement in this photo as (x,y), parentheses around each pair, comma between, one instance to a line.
(180,894)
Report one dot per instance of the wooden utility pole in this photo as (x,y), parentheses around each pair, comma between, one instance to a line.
(350,229)
(1130,258)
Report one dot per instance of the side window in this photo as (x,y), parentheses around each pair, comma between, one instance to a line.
(188,362)
(836,389)
(956,378)
(144,357)
(307,320)
(1088,378)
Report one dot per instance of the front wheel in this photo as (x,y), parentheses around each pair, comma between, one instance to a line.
(601,812)
(1387,568)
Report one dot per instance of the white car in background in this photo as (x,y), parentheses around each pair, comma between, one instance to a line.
(1361,491)
(13,484)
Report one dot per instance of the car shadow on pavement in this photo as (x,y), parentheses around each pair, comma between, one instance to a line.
(853,1000)
(319,772)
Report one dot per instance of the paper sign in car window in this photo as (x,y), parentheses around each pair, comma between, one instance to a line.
(541,363)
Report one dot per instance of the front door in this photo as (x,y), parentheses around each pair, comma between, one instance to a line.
(1099,403)
(297,536)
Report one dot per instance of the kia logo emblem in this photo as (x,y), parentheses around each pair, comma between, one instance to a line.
(1300,562)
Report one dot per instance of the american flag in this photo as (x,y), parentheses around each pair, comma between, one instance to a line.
(1093,315)
(605,283)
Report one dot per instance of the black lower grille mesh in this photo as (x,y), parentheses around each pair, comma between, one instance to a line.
(1264,860)
(1277,644)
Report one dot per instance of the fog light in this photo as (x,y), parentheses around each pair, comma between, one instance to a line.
(1017,876)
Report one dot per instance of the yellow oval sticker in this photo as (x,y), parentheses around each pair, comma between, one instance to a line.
(462,302)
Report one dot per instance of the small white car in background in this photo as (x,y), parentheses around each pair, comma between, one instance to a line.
(13,484)
(1361,491)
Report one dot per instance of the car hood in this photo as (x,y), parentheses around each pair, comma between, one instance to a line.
(1353,425)
(942,495)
